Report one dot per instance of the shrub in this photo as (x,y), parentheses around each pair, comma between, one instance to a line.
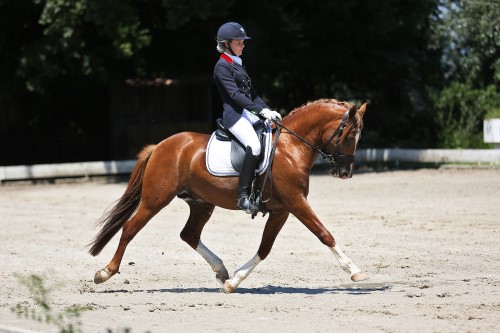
(460,110)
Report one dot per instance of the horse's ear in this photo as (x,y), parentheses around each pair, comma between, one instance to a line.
(352,111)
(362,109)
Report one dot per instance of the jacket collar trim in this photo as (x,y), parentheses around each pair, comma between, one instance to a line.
(227,58)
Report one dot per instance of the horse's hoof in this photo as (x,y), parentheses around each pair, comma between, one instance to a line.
(361,276)
(102,276)
(222,276)
(228,287)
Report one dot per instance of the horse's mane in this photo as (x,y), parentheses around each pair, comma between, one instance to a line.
(331,103)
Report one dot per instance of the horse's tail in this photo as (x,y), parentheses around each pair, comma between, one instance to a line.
(112,220)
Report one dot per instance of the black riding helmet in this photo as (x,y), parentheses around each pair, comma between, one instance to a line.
(227,32)
(231,30)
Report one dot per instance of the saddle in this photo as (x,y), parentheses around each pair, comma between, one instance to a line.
(237,148)
(225,155)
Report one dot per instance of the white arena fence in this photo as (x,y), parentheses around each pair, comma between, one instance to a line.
(65,170)
(477,156)
(111,168)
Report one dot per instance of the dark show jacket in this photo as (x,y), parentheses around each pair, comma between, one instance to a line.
(235,88)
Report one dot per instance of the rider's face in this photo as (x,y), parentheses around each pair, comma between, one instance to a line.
(237,46)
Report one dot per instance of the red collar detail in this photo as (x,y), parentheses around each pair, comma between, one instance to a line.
(226,57)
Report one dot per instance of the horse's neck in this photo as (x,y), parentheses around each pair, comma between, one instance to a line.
(308,125)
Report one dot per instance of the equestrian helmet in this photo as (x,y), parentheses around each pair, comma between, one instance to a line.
(231,30)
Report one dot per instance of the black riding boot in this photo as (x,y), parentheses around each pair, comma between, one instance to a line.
(247,174)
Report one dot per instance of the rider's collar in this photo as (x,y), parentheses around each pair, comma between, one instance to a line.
(230,58)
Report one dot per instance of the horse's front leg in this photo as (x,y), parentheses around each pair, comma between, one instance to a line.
(221,273)
(348,266)
(305,214)
(199,214)
(273,226)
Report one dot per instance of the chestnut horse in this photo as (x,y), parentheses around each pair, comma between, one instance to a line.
(176,167)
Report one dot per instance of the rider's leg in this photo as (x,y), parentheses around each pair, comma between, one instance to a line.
(247,173)
(244,132)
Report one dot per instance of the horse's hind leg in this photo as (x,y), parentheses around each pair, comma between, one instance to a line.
(200,213)
(130,229)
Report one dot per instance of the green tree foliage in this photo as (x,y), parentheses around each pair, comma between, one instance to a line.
(461,110)
(104,38)
(60,59)
(81,37)
(468,33)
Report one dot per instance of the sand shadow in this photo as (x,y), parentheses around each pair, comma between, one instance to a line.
(351,289)
(343,289)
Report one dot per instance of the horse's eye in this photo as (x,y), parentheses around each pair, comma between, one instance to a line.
(350,139)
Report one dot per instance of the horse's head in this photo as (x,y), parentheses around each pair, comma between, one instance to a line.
(340,146)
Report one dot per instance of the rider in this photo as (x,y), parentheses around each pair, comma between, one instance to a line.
(241,105)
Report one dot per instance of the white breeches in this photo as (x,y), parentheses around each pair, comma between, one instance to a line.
(243,131)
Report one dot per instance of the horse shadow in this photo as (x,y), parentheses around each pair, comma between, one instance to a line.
(353,289)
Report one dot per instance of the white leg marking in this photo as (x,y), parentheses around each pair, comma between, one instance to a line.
(212,259)
(346,263)
(215,262)
(241,274)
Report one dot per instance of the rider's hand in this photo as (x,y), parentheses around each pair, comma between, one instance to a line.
(269,114)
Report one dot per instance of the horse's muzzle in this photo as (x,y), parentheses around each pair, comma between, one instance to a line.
(341,165)
(345,174)
(341,172)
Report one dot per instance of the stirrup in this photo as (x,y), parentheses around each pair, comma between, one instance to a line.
(246,205)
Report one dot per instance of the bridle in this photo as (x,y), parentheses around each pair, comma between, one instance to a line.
(335,158)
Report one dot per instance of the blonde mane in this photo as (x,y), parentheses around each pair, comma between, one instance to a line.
(331,103)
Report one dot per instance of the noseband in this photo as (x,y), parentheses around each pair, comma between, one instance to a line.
(335,158)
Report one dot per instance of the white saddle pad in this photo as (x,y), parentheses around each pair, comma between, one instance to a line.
(219,159)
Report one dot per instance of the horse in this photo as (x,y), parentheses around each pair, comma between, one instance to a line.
(176,167)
